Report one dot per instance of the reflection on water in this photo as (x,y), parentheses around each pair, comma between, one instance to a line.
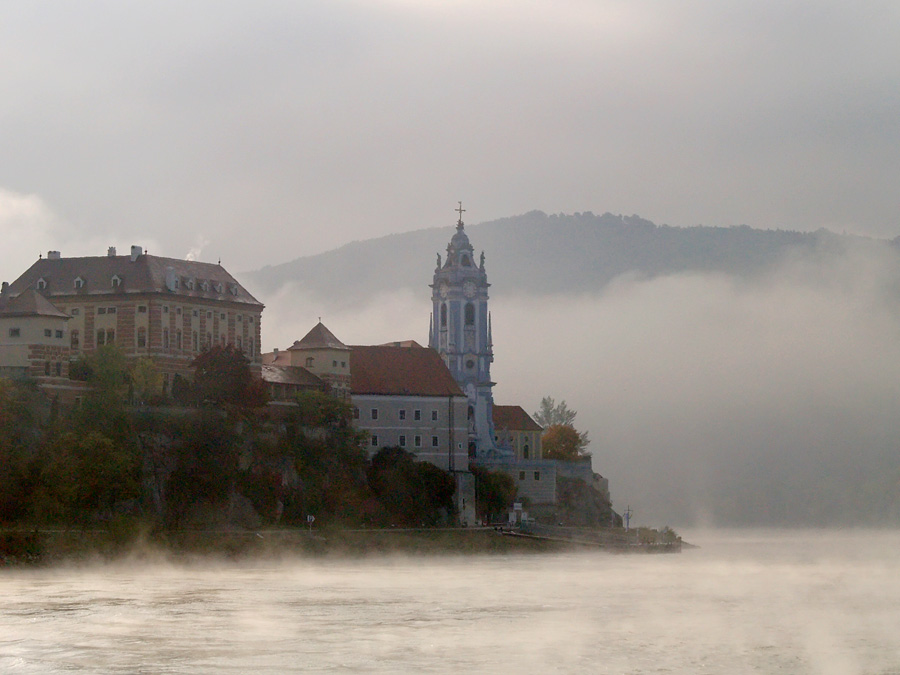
(742,603)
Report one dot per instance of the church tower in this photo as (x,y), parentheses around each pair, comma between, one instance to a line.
(460,332)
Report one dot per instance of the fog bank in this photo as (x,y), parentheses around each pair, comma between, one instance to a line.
(708,399)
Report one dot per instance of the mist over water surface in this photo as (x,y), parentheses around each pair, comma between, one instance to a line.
(745,602)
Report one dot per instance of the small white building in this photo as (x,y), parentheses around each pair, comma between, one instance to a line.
(34,341)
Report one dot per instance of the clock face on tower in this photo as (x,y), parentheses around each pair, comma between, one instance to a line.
(469,289)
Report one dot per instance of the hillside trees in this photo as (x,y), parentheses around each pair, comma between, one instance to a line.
(413,493)
(495,493)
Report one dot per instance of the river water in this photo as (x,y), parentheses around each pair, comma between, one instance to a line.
(745,602)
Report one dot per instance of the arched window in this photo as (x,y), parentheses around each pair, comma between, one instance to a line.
(525,451)
(141,337)
(470,314)
(443,316)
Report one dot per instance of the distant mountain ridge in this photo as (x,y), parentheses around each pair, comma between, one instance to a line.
(537,253)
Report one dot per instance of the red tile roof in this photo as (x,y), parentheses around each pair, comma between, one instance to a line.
(398,371)
(513,418)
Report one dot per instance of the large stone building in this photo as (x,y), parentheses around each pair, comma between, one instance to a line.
(163,308)
(402,395)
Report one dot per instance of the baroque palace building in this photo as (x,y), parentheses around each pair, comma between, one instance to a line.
(163,308)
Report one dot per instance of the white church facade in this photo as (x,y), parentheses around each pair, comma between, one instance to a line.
(460,331)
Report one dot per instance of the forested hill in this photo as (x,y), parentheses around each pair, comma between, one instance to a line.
(537,253)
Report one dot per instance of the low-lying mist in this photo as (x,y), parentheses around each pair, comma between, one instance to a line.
(709,399)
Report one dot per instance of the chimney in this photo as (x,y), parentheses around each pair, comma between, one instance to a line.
(136,253)
(53,255)
(274,352)
(5,287)
(111,252)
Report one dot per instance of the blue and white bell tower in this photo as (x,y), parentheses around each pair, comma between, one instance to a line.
(461,332)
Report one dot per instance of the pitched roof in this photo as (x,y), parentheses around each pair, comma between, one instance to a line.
(513,418)
(29,303)
(145,274)
(319,338)
(400,371)
(279,358)
(290,375)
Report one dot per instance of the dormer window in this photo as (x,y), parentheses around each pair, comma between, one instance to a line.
(116,281)
(190,284)
(79,282)
(204,286)
(233,289)
(41,284)
(218,288)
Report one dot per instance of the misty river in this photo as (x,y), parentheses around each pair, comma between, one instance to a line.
(744,602)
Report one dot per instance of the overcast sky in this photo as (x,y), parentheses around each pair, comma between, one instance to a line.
(261,132)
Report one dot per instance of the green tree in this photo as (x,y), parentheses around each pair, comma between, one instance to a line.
(146,380)
(20,439)
(84,475)
(103,409)
(550,413)
(413,493)
(495,493)
(222,376)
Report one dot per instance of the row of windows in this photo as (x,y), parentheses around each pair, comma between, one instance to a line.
(417,441)
(116,282)
(142,309)
(310,361)
(48,332)
(108,336)
(401,414)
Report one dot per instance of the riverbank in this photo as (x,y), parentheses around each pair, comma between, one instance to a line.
(48,547)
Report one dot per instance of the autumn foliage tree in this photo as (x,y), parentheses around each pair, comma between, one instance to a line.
(560,440)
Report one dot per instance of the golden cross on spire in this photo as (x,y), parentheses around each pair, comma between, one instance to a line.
(460,210)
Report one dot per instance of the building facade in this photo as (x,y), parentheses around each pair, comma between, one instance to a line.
(33,337)
(166,309)
(514,429)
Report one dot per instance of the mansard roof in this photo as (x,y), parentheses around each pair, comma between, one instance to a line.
(513,418)
(29,303)
(319,338)
(400,371)
(55,277)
